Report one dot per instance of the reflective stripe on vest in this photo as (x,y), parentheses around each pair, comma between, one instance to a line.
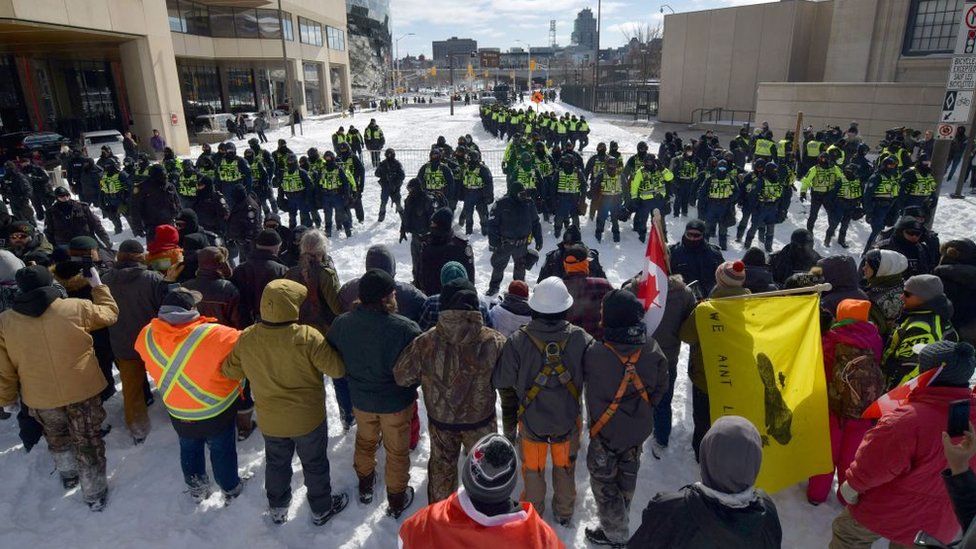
(651,184)
(764,147)
(255,169)
(171,376)
(887,187)
(110,184)
(434,179)
(472,179)
(187,185)
(611,184)
(340,138)
(721,188)
(850,188)
(924,185)
(330,179)
(291,182)
(229,171)
(568,182)
(689,170)
(813,149)
(823,179)
(526,178)
(771,191)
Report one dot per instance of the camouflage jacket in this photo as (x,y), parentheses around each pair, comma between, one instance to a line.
(453,363)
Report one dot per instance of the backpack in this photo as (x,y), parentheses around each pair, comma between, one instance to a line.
(856,381)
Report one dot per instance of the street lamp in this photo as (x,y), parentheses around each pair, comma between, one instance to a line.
(402,36)
(450,63)
(666,6)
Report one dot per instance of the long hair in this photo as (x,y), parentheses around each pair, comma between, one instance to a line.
(314,249)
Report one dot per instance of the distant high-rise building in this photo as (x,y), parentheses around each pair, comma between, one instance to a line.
(369,45)
(455,46)
(584,29)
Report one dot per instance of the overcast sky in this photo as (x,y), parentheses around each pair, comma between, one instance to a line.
(499,23)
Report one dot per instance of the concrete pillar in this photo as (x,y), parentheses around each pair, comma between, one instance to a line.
(153,86)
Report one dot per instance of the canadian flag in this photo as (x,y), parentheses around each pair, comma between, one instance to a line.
(653,287)
(899,395)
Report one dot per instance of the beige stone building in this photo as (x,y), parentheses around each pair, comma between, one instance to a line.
(81,65)
(882,63)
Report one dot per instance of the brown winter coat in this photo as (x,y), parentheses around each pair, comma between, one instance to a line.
(284,362)
(453,363)
(51,356)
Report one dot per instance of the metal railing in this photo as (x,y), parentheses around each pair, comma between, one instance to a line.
(720,115)
(630,100)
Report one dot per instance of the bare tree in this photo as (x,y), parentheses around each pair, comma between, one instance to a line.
(644,43)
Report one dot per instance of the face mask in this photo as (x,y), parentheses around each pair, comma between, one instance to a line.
(230,155)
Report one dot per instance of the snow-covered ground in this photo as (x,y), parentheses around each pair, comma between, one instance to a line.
(147,504)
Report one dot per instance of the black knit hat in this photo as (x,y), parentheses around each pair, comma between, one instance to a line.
(375,285)
(695,225)
(442,220)
(182,298)
(459,295)
(957,360)
(754,257)
(622,309)
(131,246)
(490,470)
(268,238)
(33,277)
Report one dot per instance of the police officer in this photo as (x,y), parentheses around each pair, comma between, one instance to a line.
(436,178)
(635,162)
(771,194)
(479,192)
(609,186)
(153,203)
(819,180)
(42,194)
(374,142)
(390,175)
(594,166)
(741,148)
(812,149)
(845,200)
(685,170)
(113,185)
(716,200)
(280,157)
(186,185)
(918,186)
(570,188)
(294,192)
(879,197)
(649,191)
(68,218)
(533,182)
(747,199)
(334,189)
(17,190)
(512,224)
(764,148)
(261,184)
(232,170)
(356,173)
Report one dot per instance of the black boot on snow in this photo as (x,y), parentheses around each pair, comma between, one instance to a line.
(69,482)
(98,505)
(366,488)
(596,536)
(616,237)
(339,502)
(398,503)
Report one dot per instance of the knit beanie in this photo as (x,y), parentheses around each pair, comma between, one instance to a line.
(459,295)
(442,220)
(167,238)
(730,274)
(754,257)
(81,245)
(962,251)
(131,247)
(696,225)
(452,270)
(622,309)
(33,277)
(958,361)
(853,309)
(490,471)
(375,285)
(519,288)
(925,286)
(214,258)
(9,265)
(268,238)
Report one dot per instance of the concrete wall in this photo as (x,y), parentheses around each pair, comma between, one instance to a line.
(716,58)
(876,106)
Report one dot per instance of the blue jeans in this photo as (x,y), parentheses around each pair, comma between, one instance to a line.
(341,386)
(223,459)
(953,165)
(662,411)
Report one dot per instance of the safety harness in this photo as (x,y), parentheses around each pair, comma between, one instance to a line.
(630,378)
(552,353)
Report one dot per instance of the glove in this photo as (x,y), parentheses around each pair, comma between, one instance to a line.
(94,280)
(538,245)
(850,495)
(803,196)
(403,236)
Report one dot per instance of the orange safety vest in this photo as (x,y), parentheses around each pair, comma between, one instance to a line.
(184,360)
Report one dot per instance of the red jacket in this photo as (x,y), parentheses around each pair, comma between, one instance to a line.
(897,469)
(454,522)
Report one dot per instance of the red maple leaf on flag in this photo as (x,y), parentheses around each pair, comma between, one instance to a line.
(648,291)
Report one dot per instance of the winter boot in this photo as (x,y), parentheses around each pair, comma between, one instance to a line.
(827,238)
(739,233)
(381,217)
(67,466)
(396,504)
(347,423)
(768,242)
(657,449)
(597,536)
(97,505)
(723,241)
(366,488)
(349,233)
(279,515)
(236,491)
(599,237)
(642,236)
(748,243)
(842,239)
(339,502)
(199,487)
(491,291)
(616,236)
(69,482)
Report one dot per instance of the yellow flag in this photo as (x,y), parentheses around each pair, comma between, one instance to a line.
(763,361)
(433,71)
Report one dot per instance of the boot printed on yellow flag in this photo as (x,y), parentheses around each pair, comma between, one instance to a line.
(764,361)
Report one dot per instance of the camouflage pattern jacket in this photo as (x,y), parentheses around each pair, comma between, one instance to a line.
(453,363)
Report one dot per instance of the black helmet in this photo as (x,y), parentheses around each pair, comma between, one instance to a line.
(642,147)
(474,157)
(771,169)
(390,153)
(254,142)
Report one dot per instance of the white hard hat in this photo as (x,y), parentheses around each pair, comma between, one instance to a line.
(550,297)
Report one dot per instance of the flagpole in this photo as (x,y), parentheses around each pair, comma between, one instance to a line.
(657,224)
(819,288)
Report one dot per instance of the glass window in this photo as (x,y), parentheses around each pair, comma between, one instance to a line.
(246,23)
(289,31)
(176,21)
(932,26)
(309,32)
(197,18)
(313,88)
(269,26)
(222,22)
(240,89)
(200,87)
(337,39)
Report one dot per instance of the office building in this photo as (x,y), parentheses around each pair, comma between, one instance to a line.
(584,30)
(457,47)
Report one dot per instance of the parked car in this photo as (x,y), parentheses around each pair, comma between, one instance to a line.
(92,142)
(488,101)
(276,119)
(212,122)
(24,144)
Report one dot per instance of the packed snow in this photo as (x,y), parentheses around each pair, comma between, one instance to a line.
(148,506)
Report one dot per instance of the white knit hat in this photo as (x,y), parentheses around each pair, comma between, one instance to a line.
(550,297)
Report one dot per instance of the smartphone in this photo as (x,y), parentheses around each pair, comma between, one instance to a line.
(924,540)
(958,418)
(86,266)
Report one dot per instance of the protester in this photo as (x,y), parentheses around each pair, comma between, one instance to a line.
(796,257)
(284,362)
(63,385)
(724,509)
(453,364)
(439,247)
(957,270)
(907,240)
(894,487)
(482,513)
(625,379)
(410,300)
(543,363)
(758,276)
(370,338)
(926,318)
(220,299)
(695,259)
(840,271)
(451,271)
(587,291)
(199,422)
(884,272)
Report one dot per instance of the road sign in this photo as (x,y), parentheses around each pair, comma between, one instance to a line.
(537,97)
(966,39)
(962,73)
(956,106)
(946,131)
